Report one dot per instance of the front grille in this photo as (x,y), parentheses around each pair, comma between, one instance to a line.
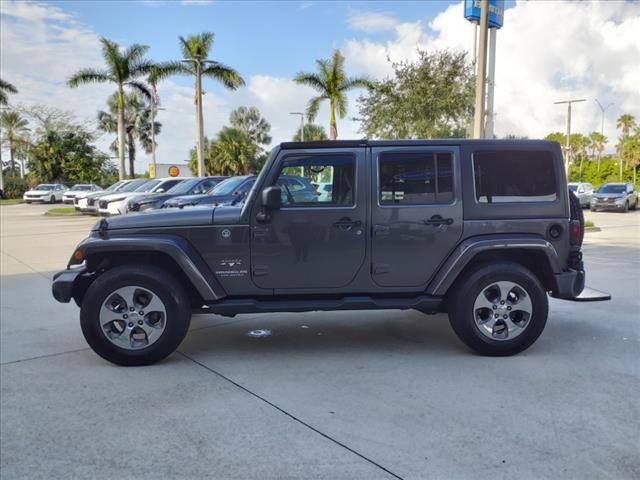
(76,201)
(91,202)
(103,204)
(134,207)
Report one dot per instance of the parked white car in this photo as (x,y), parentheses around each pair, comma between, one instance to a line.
(115,203)
(78,188)
(325,190)
(45,193)
(88,203)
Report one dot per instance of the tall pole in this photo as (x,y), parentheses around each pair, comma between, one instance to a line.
(481,72)
(199,122)
(301,124)
(491,83)
(567,148)
(474,44)
(602,109)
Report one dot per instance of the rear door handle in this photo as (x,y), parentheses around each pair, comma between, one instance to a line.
(438,220)
(347,224)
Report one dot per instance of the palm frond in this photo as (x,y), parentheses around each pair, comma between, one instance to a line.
(134,53)
(312,80)
(161,71)
(89,75)
(229,77)
(7,87)
(314,106)
(140,67)
(140,87)
(355,82)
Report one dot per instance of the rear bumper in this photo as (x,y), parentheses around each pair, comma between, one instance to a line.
(570,286)
(63,284)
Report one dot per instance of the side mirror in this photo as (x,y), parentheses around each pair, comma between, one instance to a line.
(271,198)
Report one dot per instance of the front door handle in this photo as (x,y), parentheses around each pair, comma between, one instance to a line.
(437,220)
(347,224)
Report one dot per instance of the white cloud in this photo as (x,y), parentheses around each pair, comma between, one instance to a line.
(547,51)
(195,2)
(372,21)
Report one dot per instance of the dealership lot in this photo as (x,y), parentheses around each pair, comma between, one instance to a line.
(384,394)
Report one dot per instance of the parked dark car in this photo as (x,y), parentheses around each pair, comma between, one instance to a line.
(193,186)
(234,190)
(615,196)
(484,230)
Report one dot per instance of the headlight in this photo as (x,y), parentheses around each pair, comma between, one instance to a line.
(620,200)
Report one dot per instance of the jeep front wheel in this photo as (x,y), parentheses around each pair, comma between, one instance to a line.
(499,309)
(135,315)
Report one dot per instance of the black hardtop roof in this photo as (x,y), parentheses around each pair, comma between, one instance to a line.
(417,143)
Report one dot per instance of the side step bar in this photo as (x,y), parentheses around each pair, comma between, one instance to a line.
(233,306)
(590,295)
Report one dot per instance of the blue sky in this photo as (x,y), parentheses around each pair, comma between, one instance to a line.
(547,51)
(280,38)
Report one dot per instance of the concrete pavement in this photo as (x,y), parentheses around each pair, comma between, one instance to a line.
(336,395)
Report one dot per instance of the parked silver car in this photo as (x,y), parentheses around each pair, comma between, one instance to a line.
(584,192)
(615,196)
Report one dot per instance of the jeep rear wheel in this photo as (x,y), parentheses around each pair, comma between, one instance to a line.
(135,315)
(499,309)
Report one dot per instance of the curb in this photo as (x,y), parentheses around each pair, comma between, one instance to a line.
(51,214)
(592,229)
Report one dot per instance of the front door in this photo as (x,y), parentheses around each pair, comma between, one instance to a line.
(313,241)
(417,214)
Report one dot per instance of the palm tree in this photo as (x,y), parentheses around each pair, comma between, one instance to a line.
(16,131)
(195,52)
(5,88)
(137,124)
(626,122)
(123,68)
(249,120)
(598,141)
(331,83)
(231,153)
(311,132)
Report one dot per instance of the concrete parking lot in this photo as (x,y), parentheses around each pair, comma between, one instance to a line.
(346,395)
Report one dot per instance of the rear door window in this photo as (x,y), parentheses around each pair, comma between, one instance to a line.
(415,178)
(514,176)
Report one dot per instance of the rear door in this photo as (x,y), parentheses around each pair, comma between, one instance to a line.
(417,213)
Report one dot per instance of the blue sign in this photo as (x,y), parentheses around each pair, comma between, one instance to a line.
(496,12)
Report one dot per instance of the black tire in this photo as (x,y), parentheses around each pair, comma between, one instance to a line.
(52,200)
(461,305)
(159,281)
(626,207)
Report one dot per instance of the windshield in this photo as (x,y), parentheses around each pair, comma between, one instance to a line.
(227,187)
(115,186)
(184,187)
(81,188)
(133,185)
(147,186)
(44,186)
(573,188)
(612,189)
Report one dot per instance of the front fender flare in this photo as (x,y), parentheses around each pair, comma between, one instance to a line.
(469,248)
(177,248)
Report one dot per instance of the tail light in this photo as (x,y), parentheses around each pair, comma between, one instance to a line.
(576,232)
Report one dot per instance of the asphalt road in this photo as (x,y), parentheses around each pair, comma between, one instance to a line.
(346,395)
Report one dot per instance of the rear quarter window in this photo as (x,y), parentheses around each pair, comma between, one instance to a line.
(508,176)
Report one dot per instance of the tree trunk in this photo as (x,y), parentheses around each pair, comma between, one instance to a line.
(121,169)
(333,126)
(12,152)
(132,155)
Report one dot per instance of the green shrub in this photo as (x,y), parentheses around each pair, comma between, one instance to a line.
(14,186)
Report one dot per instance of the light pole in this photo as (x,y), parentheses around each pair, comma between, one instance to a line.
(301,124)
(602,109)
(154,111)
(481,72)
(197,63)
(568,139)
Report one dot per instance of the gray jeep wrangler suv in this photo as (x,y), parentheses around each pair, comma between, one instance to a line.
(480,229)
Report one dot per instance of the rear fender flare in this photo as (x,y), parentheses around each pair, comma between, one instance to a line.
(469,248)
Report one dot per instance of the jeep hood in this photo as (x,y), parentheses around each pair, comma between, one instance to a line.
(195,216)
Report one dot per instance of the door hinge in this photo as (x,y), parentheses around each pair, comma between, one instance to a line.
(260,270)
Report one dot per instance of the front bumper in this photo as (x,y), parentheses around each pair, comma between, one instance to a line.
(113,208)
(570,286)
(43,199)
(607,205)
(64,283)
